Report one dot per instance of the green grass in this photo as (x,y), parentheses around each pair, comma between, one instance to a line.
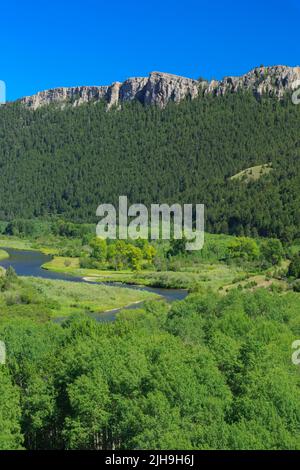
(3,254)
(48,246)
(43,299)
(15,243)
(253,173)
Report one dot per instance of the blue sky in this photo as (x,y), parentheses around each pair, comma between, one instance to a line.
(68,43)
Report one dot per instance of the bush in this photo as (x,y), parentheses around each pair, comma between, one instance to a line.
(272,251)
(89,263)
(243,248)
(99,248)
(294,268)
(12,299)
(10,273)
(296,286)
(250,285)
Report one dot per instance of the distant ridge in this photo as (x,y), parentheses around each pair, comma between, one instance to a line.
(161,88)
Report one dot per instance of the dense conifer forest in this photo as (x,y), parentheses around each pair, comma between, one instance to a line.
(68,161)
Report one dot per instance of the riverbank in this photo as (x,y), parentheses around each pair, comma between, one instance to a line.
(69,297)
(196,272)
(203,275)
(41,245)
(45,299)
(43,295)
(207,275)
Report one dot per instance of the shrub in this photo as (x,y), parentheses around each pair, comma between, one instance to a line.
(296,286)
(294,268)
(243,248)
(272,251)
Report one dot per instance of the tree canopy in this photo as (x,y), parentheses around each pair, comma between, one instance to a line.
(210,372)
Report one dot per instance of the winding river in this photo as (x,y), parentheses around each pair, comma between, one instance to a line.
(29,263)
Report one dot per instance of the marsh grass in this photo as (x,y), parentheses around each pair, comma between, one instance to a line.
(3,254)
(43,299)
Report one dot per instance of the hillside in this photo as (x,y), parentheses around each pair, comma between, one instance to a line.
(68,161)
(253,173)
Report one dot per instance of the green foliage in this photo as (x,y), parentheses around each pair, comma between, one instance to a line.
(177,247)
(10,413)
(294,267)
(296,285)
(122,254)
(119,254)
(10,273)
(71,230)
(244,248)
(208,373)
(99,249)
(272,251)
(148,250)
(8,279)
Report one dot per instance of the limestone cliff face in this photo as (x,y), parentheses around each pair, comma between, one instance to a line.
(161,88)
(158,89)
(273,81)
(73,95)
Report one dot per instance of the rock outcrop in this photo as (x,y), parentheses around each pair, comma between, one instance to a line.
(72,95)
(273,81)
(161,88)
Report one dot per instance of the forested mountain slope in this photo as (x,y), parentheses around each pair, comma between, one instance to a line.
(70,160)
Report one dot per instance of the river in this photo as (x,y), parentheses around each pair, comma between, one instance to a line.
(29,263)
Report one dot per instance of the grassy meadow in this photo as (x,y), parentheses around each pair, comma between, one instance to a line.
(3,254)
(45,299)
(253,173)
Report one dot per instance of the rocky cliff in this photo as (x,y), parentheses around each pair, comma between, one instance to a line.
(161,88)
(262,80)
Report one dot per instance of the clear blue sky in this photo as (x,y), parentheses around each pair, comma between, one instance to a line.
(68,43)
